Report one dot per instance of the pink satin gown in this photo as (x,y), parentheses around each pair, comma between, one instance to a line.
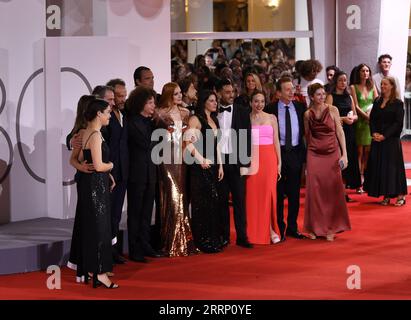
(261,187)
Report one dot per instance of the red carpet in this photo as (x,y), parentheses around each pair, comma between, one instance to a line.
(406,149)
(379,244)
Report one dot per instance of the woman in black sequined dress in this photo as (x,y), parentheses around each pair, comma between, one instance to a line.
(96,243)
(75,259)
(205,173)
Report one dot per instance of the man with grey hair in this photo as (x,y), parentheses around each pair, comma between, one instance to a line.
(115,134)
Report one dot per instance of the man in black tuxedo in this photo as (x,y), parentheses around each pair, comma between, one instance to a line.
(232,119)
(115,135)
(290,117)
(142,175)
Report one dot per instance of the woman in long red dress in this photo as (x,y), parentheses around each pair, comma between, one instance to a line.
(325,209)
(261,183)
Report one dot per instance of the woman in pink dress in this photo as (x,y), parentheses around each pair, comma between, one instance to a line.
(261,183)
(325,209)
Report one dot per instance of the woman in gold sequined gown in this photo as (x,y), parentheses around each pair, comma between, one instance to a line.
(176,235)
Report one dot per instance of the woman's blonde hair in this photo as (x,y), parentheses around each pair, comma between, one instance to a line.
(257,81)
(394,91)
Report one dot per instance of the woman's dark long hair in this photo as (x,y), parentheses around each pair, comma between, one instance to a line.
(200,109)
(94,106)
(333,87)
(369,83)
(80,122)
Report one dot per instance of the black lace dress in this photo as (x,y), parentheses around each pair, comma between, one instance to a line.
(351,174)
(206,222)
(75,261)
(96,243)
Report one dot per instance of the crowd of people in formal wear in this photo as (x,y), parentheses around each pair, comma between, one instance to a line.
(186,156)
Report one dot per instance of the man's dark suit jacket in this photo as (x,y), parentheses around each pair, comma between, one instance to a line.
(142,168)
(241,120)
(300,108)
(116,138)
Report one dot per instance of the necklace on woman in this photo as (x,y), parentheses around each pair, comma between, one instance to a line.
(174,110)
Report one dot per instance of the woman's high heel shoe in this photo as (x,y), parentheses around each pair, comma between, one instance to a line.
(360,190)
(385,202)
(400,202)
(97,283)
(275,238)
(83,279)
(348,199)
(312,236)
(330,237)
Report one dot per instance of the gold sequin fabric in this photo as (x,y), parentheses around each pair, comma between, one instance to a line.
(176,235)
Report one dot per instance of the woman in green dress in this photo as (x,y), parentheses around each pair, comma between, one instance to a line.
(363,92)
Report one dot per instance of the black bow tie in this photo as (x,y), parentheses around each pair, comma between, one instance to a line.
(222,109)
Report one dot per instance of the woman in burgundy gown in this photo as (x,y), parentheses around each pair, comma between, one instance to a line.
(325,209)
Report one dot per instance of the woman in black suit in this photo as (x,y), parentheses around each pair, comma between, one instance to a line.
(385,174)
(140,107)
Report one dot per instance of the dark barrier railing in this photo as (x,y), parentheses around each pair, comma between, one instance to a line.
(407,117)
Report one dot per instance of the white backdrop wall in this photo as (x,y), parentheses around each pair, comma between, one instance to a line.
(366,31)
(109,39)
(22,25)
(393,37)
(146,24)
(85,62)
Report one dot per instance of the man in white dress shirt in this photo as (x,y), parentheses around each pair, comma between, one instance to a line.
(234,122)
(384,63)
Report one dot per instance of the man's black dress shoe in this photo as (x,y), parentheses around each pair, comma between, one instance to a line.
(348,199)
(296,235)
(136,258)
(225,243)
(244,244)
(155,254)
(117,259)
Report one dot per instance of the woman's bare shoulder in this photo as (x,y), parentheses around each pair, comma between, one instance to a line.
(184,111)
(271,117)
(333,109)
